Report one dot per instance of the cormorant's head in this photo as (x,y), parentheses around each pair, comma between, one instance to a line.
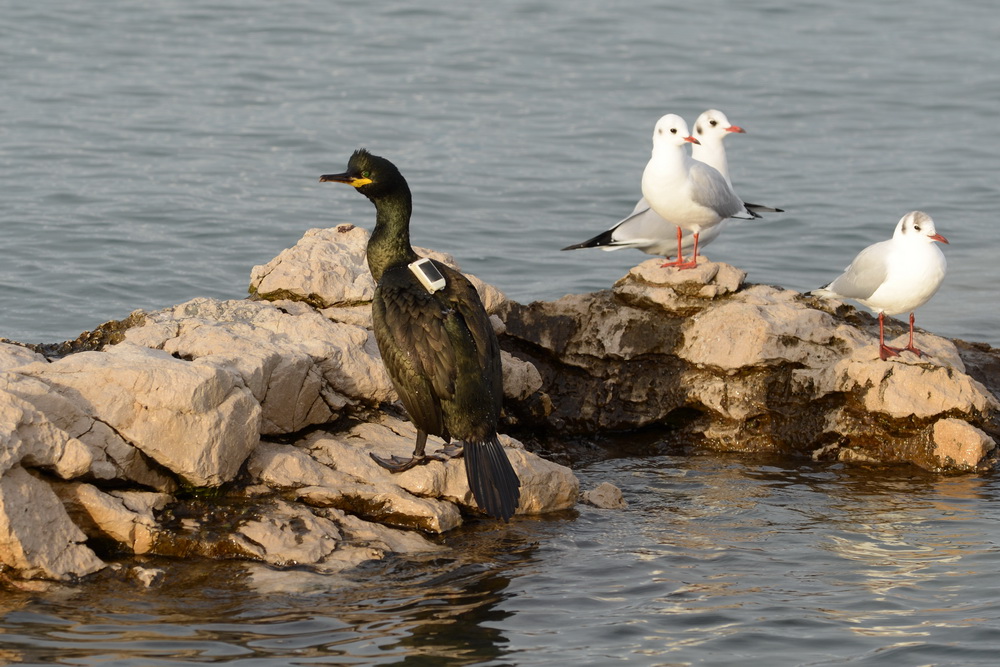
(373,176)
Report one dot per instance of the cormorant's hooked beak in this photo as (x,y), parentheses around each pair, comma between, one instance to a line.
(346,177)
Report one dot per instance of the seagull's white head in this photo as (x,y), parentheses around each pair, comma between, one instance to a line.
(671,130)
(917,225)
(713,125)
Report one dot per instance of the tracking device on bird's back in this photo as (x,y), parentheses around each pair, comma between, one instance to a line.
(427,274)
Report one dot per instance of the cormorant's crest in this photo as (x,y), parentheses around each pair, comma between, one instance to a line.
(382,174)
(360,156)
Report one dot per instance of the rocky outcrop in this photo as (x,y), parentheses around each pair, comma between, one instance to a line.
(750,368)
(232,429)
(242,429)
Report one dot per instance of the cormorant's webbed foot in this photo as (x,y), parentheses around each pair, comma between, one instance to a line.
(451,451)
(400,464)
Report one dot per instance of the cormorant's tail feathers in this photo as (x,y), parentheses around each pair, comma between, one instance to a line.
(494,483)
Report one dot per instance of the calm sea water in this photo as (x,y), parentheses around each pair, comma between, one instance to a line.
(717,561)
(155,152)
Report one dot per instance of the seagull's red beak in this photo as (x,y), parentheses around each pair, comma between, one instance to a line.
(736,128)
(938,237)
(692,140)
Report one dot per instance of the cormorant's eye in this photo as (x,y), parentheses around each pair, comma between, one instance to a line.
(366,174)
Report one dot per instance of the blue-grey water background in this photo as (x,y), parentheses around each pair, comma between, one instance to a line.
(154,152)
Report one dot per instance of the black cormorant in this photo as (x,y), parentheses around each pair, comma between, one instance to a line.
(436,341)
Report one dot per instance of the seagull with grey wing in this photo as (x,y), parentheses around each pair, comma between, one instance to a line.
(895,276)
(646,230)
(688,193)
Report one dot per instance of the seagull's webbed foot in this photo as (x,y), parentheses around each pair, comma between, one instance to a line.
(690,264)
(886,351)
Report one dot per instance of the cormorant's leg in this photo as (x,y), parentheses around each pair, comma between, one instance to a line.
(399,464)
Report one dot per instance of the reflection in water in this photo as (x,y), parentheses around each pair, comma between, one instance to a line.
(744,556)
(714,558)
(441,609)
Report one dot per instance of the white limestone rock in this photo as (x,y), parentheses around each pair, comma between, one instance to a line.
(520,378)
(605,495)
(381,537)
(328,269)
(123,516)
(192,418)
(66,425)
(29,437)
(288,535)
(37,537)
(959,444)
(14,356)
(303,368)
(545,486)
(321,484)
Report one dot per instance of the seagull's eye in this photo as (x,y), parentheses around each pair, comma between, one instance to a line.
(713,123)
(916,228)
(673,130)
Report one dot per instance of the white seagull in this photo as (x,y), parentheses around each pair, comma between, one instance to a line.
(895,276)
(710,129)
(688,193)
(646,230)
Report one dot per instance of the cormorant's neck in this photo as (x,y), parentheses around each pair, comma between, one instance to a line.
(390,241)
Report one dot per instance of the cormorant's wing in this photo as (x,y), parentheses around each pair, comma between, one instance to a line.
(441,353)
(409,330)
(479,367)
